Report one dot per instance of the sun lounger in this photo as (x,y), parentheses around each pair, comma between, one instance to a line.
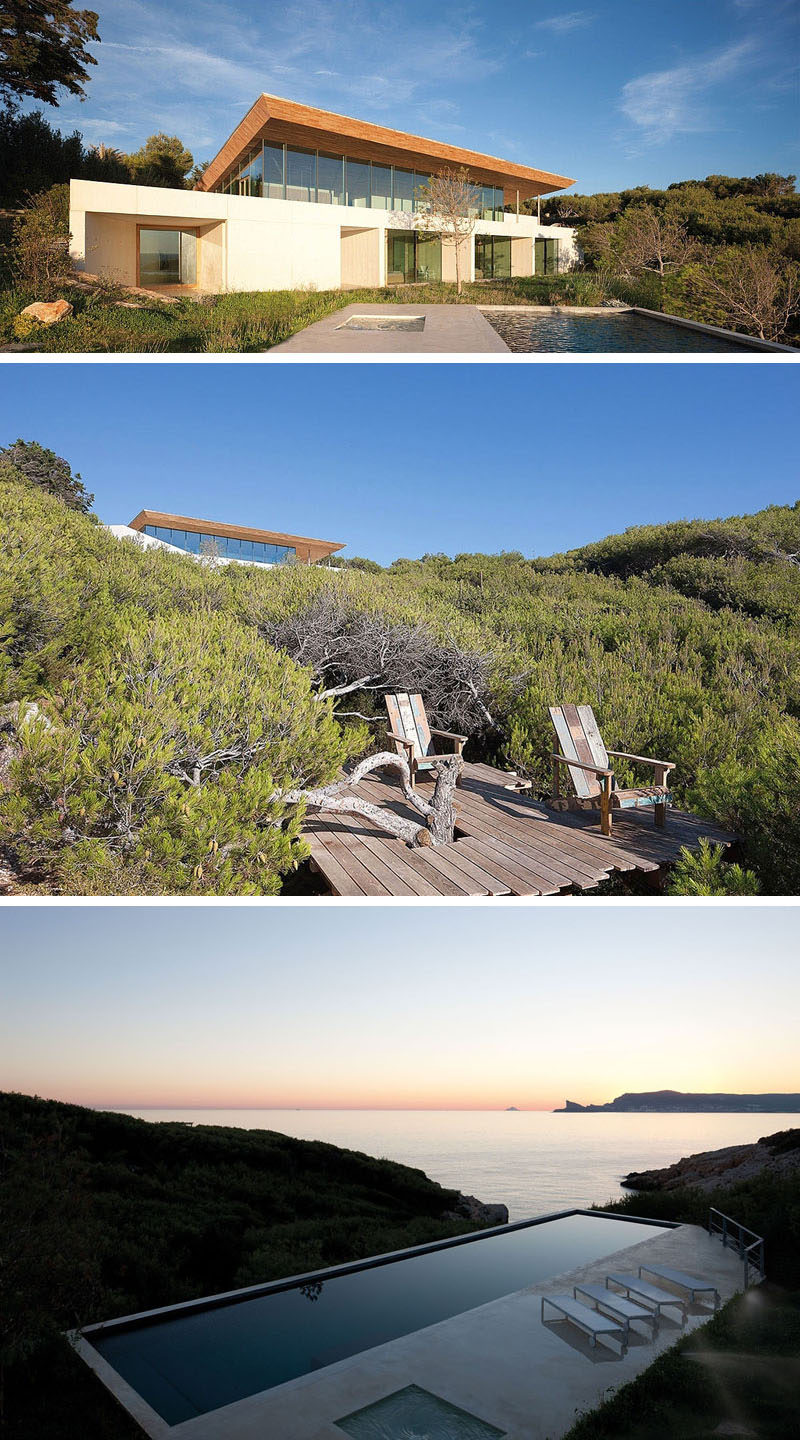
(650,1294)
(609,1303)
(690,1283)
(591,1322)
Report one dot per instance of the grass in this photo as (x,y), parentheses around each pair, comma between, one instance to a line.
(247,323)
(742,1368)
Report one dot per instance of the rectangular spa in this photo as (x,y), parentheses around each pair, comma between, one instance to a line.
(188,1360)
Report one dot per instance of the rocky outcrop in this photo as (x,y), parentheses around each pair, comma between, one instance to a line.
(468,1208)
(714,1169)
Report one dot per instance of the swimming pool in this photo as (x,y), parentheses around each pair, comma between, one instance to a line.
(188,1360)
(619,331)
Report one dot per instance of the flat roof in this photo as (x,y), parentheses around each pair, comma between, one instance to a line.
(274,118)
(303,544)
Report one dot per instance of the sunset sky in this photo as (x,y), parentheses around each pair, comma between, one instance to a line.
(395,1007)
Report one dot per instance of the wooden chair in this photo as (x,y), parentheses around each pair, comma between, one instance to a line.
(586,758)
(413,736)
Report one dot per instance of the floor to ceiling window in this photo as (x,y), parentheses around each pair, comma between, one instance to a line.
(259,552)
(492,257)
(546,257)
(167,257)
(283,172)
(412,257)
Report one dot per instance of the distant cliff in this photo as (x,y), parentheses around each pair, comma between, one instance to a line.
(678,1102)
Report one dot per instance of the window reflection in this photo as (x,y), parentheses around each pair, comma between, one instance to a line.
(226,546)
(492,257)
(358,186)
(330,179)
(273,172)
(282,171)
(301,174)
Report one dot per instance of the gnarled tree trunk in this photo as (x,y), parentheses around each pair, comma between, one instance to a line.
(439,812)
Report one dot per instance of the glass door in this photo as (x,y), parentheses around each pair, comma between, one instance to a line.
(400,257)
(429,258)
(167,257)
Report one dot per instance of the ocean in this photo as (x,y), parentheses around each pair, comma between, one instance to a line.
(532,1161)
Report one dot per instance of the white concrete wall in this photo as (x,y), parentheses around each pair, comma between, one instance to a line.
(252,244)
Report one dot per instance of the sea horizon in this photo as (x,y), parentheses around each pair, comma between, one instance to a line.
(539,1162)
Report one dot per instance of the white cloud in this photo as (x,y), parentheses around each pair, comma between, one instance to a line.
(561,24)
(673,102)
(195,71)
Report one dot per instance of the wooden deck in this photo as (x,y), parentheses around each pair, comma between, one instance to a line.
(506,844)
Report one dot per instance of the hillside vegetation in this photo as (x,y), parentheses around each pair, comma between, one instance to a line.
(113,1215)
(176,701)
(723,250)
(738,1374)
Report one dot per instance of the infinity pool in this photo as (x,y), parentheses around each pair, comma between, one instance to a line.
(619,331)
(187,1362)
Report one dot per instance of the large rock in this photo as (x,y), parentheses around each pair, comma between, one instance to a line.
(715,1169)
(48,312)
(468,1208)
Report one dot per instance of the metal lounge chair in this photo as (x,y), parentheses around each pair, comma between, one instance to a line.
(634,1285)
(690,1283)
(608,1302)
(591,1322)
(413,736)
(585,757)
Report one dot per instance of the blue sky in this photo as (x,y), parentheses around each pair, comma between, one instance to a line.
(403,459)
(614,93)
(234,1005)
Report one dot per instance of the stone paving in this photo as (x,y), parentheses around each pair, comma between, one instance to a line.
(448,330)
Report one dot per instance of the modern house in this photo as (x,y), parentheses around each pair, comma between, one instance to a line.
(301,197)
(239,544)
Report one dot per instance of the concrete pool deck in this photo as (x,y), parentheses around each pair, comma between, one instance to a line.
(448,330)
(467,330)
(497,1361)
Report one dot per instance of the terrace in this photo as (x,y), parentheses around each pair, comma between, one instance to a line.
(453,1327)
(505,844)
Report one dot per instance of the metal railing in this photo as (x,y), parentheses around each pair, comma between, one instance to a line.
(737,1237)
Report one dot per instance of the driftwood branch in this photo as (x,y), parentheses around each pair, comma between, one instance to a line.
(438,812)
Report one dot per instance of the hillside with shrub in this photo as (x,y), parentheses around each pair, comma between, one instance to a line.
(724,250)
(155,710)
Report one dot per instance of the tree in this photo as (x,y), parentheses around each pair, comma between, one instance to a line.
(162,160)
(168,752)
(351,651)
(750,288)
(449,206)
(49,471)
(40,242)
(43,49)
(439,811)
(645,238)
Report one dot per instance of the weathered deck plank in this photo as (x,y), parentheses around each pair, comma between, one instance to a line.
(506,843)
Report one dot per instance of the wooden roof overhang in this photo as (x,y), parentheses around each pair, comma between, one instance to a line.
(306,547)
(283,121)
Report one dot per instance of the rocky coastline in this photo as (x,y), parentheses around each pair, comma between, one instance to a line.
(777,1154)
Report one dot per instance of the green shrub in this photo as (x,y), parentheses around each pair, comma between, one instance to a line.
(705,872)
(168,754)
